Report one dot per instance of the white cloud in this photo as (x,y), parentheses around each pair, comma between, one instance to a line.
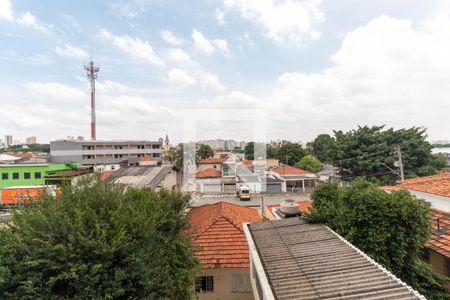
(177,55)
(54,91)
(6,12)
(286,20)
(384,72)
(209,46)
(108,86)
(134,47)
(222,45)
(234,99)
(202,43)
(220,16)
(212,81)
(67,50)
(170,38)
(26,19)
(179,79)
(130,8)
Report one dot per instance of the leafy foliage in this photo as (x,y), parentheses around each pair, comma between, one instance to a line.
(323,147)
(390,228)
(370,152)
(310,163)
(290,153)
(176,155)
(98,241)
(204,151)
(31,147)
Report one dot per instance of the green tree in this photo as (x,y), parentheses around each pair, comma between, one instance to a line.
(392,228)
(204,151)
(249,150)
(310,163)
(323,147)
(371,152)
(99,241)
(440,161)
(177,154)
(290,153)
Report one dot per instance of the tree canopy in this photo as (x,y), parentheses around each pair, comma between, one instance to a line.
(98,241)
(310,163)
(323,147)
(370,152)
(290,153)
(204,151)
(392,228)
(176,155)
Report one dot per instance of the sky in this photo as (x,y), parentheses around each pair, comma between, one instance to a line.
(308,66)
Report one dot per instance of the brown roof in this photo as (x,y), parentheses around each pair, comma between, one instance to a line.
(440,238)
(146,158)
(310,261)
(288,170)
(213,160)
(105,174)
(208,173)
(436,184)
(217,229)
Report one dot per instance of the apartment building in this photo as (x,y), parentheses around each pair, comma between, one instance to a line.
(104,152)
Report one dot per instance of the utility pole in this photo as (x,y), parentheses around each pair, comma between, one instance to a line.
(92,76)
(400,163)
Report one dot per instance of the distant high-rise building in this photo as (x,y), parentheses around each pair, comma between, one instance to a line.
(16,142)
(30,140)
(219,144)
(8,140)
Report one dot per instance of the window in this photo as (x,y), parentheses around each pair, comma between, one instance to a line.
(37,175)
(156,155)
(5,176)
(15,175)
(118,147)
(26,175)
(155,146)
(141,146)
(240,283)
(204,284)
(118,156)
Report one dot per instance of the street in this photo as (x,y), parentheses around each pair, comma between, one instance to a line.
(255,200)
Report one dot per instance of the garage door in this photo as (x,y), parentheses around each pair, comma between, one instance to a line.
(212,188)
(229,188)
(273,188)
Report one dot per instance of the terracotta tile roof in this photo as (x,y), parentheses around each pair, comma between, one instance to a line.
(247,162)
(304,205)
(208,173)
(288,170)
(440,238)
(436,184)
(213,160)
(146,158)
(105,174)
(217,230)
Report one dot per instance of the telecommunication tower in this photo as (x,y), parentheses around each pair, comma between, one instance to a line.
(92,76)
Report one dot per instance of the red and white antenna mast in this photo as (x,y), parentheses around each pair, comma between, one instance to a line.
(92,76)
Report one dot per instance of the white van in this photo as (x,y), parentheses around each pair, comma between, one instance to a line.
(244,193)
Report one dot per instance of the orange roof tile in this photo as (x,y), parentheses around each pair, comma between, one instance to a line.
(440,238)
(208,173)
(105,174)
(146,158)
(248,163)
(304,205)
(213,160)
(288,170)
(436,184)
(217,230)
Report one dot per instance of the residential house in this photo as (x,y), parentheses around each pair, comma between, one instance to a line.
(296,179)
(223,254)
(211,163)
(291,259)
(154,177)
(437,250)
(209,181)
(434,189)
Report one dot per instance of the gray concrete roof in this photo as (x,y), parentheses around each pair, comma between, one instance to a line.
(310,261)
(142,176)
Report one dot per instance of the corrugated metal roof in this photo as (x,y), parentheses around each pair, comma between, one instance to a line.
(142,176)
(310,261)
